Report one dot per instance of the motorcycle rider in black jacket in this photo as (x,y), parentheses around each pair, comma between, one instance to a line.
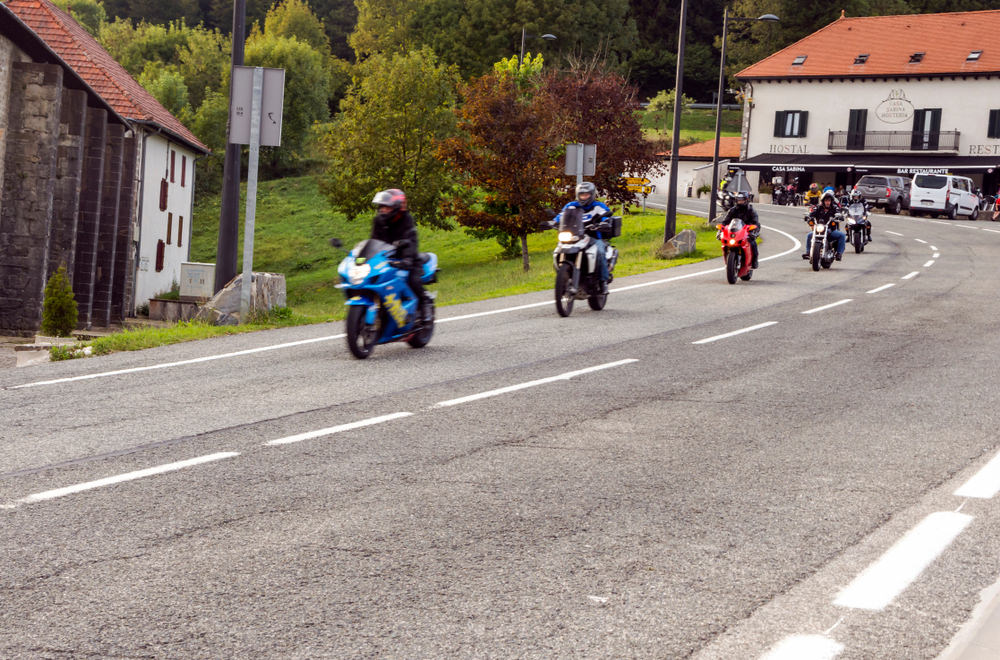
(745,212)
(393,224)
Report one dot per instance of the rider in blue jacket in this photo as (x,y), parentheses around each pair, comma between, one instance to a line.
(592,211)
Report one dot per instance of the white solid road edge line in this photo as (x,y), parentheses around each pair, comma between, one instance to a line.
(336,429)
(888,577)
(920,241)
(797,647)
(882,288)
(533,383)
(893,233)
(929,264)
(910,276)
(831,305)
(129,476)
(709,340)
(985,483)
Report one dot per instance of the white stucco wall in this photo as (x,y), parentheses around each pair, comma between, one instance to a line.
(154,163)
(965,106)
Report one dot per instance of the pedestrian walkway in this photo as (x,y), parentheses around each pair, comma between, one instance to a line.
(979,639)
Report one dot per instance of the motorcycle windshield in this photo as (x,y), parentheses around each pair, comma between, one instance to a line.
(571,220)
(369,248)
(735,225)
(856,210)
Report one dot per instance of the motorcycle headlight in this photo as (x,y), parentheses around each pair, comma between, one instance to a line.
(567,237)
(820,229)
(356,274)
(732,241)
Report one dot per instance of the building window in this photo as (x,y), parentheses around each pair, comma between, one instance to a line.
(861,59)
(916,57)
(180,231)
(993,131)
(184,168)
(173,155)
(926,129)
(974,56)
(800,60)
(790,123)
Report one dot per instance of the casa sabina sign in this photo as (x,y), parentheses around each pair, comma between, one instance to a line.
(895,109)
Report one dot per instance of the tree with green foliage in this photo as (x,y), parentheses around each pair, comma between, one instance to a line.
(167,86)
(386,132)
(294,18)
(339,18)
(204,63)
(59,312)
(307,82)
(88,13)
(507,155)
(133,45)
(662,106)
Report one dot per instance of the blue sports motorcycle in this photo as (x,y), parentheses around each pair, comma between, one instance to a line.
(381,306)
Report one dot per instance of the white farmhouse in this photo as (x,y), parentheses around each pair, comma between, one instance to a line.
(886,94)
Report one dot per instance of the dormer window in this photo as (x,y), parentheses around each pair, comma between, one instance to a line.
(916,57)
(799,61)
(974,56)
(861,59)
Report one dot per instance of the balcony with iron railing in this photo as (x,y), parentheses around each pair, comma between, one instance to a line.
(894,141)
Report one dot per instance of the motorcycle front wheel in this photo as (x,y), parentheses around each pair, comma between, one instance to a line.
(859,244)
(564,299)
(361,337)
(597,300)
(732,266)
(815,257)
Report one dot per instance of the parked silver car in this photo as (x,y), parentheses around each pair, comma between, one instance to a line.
(886,191)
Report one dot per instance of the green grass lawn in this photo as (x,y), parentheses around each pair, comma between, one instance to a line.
(294,223)
(696,125)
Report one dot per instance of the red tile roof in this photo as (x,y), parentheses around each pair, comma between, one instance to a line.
(729,147)
(94,65)
(889,41)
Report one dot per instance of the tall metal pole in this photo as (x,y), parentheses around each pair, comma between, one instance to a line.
(225,255)
(670,226)
(718,118)
(520,60)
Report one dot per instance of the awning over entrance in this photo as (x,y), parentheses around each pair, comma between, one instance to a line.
(894,163)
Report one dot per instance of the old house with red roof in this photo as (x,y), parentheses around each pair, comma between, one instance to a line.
(882,94)
(694,165)
(144,235)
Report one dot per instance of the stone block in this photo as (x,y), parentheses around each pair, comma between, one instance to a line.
(678,246)
(267,292)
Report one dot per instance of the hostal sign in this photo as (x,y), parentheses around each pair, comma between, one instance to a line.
(896,109)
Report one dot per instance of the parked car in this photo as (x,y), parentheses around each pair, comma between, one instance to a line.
(891,193)
(943,194)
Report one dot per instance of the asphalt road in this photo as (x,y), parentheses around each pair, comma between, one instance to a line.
(781,466)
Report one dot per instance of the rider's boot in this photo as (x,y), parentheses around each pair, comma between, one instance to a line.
(426,309)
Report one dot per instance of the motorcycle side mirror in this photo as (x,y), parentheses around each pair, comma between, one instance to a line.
(336,242)
(549,212)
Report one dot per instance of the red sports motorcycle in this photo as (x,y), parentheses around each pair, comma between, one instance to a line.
(735,238)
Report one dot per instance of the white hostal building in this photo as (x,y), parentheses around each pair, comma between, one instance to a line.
(889,94)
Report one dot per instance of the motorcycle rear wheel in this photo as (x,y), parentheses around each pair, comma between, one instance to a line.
(423,337)
(597,301)
(361,337)
(732,266)
(564,301)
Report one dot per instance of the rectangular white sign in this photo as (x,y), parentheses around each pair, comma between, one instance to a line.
(241,99)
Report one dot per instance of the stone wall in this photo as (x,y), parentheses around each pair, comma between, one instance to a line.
(123,287)
(28,189)
(69,169)
(90,213)
(107,233)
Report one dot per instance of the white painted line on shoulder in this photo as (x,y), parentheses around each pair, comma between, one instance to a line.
(796,647)
(967,227)
(533,383)
(910,276)
(129,476)
(992,231)
(933,247)
(319,433)
(920,241)
(831,305)
(903,563)
(936,255)
(894,233)
(985,483)
(882,288)
(166,365)
(929,264)
(938,222)
(709,340)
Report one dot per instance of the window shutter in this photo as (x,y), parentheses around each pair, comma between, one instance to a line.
(173,156)
(994,127)
(170,226)
(803,122)
(779,123)
(184,167)
(163,194)
(180,231)
(160,248)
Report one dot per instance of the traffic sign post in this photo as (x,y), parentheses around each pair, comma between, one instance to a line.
(254,119)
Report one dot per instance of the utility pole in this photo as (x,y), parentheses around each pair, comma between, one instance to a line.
(225,254)
(670,226)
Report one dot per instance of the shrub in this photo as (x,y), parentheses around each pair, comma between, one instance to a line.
(59,306)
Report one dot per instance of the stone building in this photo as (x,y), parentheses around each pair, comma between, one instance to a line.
(133,223)
(62,147)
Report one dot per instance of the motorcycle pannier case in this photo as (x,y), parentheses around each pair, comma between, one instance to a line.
(616,226)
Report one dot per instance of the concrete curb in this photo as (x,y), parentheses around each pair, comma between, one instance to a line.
(979,638)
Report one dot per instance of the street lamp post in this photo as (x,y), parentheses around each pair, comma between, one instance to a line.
(713,194)
(670,222)
(525,36)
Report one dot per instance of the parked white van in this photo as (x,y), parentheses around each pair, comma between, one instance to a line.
(945,194)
